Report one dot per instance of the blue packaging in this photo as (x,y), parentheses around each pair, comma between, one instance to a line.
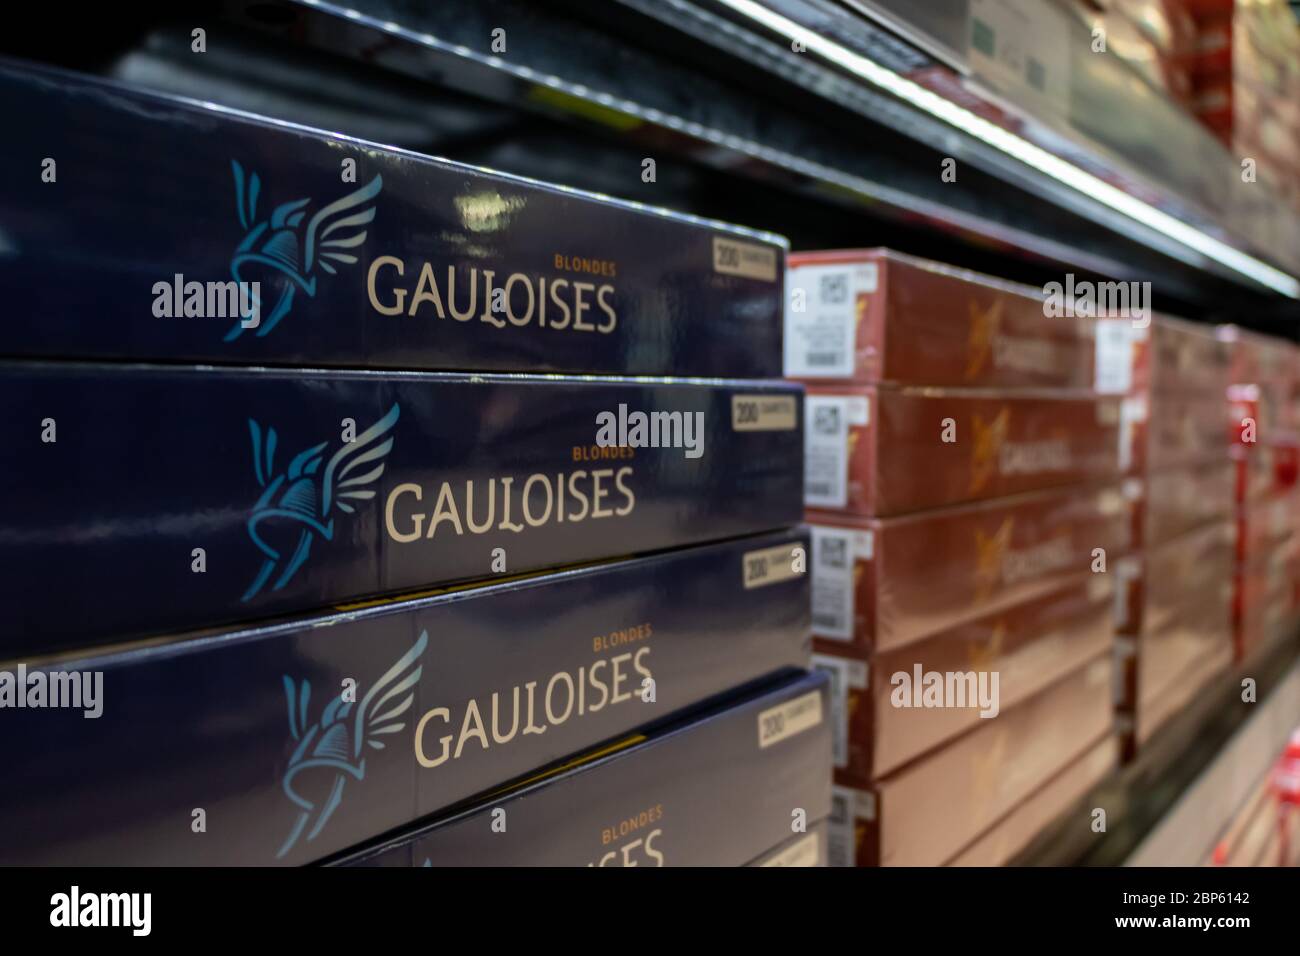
(148,499)
(364,256)
(720,789)
(289,743)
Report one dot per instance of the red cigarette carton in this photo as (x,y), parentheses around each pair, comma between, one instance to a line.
(1010,835)
(928,812)
(882,583)
(1257,359)
(872,315)
(1157,583)
(1264,471)
(1187,357)
(1154,711)
(1150,664)
(1177,500)
(1023,649)
(888,451)
(1171,429)
(1264,527)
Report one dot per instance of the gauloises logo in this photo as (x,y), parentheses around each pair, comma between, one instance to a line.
(998,564)
(983,330)
(300,504)
(331,751)
(287,250)
(992,454)
(990,552)
(987,449)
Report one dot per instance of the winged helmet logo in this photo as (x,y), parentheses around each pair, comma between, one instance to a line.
(288,251)
(331,751)
(300,504)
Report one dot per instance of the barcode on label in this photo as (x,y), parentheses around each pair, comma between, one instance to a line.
(832,584)
(825,359)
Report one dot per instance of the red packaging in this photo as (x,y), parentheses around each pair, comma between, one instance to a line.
(873,316)
(1260,415)
(1010,835)
(1170,429)
(1155,585)
(1263,528)
(1263,606)
(1027,647)
(933,808)
(1152,662)
(1179,499)
(1152,714)
(1257,359)
(884,451)
(881,583)
(1263,471)
(1187,357)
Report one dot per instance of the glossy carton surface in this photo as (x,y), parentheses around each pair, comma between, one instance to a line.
(356,255)
(718,790)
(928,812)
(880,583)
(305,738)
(1027,647)
(172,498)
(891,451)
(872,315)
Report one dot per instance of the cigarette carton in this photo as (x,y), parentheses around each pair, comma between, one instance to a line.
(1171,430)
(1187,357)
(878,725)
(872,315)
(721,789)
(1179,499)
(1157,583)
(165,229)
(881,583)
(1014,832)
(1256,358)
(300,739)
(1264,528)
(1154,660)
(926,813)
(1264,470)
(170,498)
(1157,710)
(886,451)
(1263,606)
(806,850)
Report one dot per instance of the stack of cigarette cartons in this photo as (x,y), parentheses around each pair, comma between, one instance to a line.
(965,491)
(1264,435)
(1173,598)
(303,551)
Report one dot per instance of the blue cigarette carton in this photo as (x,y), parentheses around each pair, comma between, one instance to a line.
(147,498)
(144,227)
(292,742)
(721,789)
